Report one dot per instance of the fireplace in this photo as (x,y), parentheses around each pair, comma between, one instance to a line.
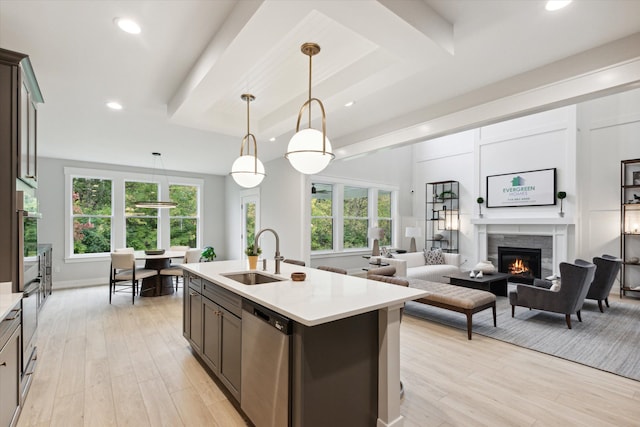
(523,264)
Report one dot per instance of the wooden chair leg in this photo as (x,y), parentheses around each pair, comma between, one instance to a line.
(579,317)
(568,319)
(606,301)
(600,306)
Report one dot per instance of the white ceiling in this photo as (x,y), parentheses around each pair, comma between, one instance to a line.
(180,80)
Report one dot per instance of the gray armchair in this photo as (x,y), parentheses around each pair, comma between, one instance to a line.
(576,279)
(606,272)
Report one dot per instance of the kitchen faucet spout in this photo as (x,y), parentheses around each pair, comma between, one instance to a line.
(278,258)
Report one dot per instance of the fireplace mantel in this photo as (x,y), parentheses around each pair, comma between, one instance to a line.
(524,221)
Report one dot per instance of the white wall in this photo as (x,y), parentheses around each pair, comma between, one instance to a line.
(609,133)
(51,196)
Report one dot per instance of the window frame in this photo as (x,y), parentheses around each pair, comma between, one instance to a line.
(118,220)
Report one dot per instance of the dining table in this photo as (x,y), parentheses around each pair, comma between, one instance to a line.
(157,285)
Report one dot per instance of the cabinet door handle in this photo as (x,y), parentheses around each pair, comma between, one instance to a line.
(193,294)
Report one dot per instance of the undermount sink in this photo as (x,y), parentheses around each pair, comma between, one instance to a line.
(252,278)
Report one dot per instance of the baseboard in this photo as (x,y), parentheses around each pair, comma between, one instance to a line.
(68,284)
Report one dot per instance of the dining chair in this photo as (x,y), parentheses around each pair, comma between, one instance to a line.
(174,268)
(124,274)
(190,256)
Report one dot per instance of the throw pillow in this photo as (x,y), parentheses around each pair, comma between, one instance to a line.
(555,287)
(433,257)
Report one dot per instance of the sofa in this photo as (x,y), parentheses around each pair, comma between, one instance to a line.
(413,266)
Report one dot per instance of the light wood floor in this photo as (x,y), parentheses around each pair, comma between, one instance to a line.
(124,365)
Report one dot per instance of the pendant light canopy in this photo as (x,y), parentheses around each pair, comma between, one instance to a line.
(248,170)
(309,150)
(156,204)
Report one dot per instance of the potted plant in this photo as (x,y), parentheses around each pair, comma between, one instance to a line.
(480,201)
(208,254)
(561,195)
(253,251)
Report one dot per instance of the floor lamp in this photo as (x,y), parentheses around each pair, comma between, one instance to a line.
(376,233)
(413,232)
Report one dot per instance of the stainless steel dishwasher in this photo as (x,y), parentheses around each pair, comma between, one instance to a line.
(266,353)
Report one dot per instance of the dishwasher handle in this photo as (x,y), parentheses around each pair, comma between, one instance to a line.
(276,320)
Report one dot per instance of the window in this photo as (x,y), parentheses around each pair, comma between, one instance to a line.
(91,215)
(101,214)
(384,217)
(341,215)
(356,217)
(183,223)
(141,223)
(322,217)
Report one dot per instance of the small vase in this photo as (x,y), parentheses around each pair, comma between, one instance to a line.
(253,262)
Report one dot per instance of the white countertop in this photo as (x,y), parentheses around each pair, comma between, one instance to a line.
(323,297)
(7,299)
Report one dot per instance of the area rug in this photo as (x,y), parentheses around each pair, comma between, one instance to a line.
(608,341)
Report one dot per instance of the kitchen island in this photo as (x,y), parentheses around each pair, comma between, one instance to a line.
(344,348)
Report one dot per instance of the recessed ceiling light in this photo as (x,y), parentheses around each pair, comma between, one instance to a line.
(114,105)
(273,138)
(127,25)
(349,104)
(553,5)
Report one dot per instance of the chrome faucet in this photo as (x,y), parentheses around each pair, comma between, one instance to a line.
(278,258)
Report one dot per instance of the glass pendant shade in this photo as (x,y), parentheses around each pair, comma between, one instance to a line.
(309,150)
(305,152)
(246,173)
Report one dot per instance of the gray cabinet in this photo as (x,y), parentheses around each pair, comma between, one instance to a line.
(192,319)
(10,347)
(212,323)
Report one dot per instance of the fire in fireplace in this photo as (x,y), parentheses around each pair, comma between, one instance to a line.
(523,264)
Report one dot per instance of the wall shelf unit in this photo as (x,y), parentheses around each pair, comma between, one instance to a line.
(630,226)
(443,216)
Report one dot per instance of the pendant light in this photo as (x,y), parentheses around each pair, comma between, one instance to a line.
(309,150)
(156,204)
(248,170)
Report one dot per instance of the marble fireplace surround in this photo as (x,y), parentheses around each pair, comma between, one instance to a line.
(517,230)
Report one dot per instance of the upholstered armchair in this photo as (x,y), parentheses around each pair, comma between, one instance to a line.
(575,281)
(607,268)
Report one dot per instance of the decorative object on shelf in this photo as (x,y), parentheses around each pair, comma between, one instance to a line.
(309,150)
(252,251)
(156,204)
(154,252)
(480,201)
(412,232)
(208,254)
(561,195)
(485,267)
(636,178)
(376,233)
(438,236)
(447,194)
(298,276)
(449,219)
(247,170)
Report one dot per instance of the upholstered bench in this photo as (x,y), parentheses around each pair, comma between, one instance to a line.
(450,297)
